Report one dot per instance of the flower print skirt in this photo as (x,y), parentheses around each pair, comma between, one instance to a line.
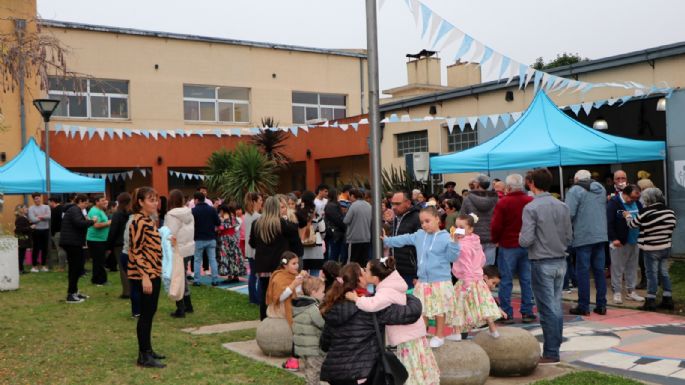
(437,298)
(474,306)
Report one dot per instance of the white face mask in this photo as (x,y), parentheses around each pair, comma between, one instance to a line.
(621,185)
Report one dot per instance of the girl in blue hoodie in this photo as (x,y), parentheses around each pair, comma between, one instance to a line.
(435,250)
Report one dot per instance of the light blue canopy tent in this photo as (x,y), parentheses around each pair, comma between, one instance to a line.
(545,137)
(25,174)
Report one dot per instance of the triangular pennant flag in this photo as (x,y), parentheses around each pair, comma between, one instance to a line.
(450,124)
(200,133)
(181,132)
(172,134)
(82,132)
(522,75)
(325,124)
(427,118)
(466,43)
(625,99)
(599,103)
(344,127)
(171,173)
(293,129)
(91,132)
(483,119)
(496,61)
(536,82)
(504,66)
(143,172)
(236,131)
(130,174)
(612,101)
(530,73)
(255,130)
(461,122)
(364,121)
(355,126)
(454,35)
(472,121)
(385,120)
(435,23)
(575,108)
(72,131)
(217,132)
(101,133)
(145,133)
(119,132)
(405,118)
(394,118)
(162,133)
(334,125)
(444,29)
(506,119)
(304,128)
(477,53)
(516,115)
(58,128)
(487,55)
(154,134)
(425,17)
(415,11)
(128,132)
(587,107)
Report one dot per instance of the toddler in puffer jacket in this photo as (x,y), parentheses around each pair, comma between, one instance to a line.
(308,324)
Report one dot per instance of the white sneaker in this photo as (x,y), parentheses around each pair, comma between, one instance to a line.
(44,269)
(494,334)
(34,270)
(436,342)
(635,297)
(617,298)
(454,337)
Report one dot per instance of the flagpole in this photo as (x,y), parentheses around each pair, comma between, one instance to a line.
(374,122)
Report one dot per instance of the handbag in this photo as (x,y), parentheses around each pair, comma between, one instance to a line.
(389,369)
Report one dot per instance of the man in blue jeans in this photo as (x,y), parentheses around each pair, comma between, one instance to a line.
(206,221)
(546,232)
(588,205)
(513,259)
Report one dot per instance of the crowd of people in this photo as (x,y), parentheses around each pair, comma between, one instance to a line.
(308,259)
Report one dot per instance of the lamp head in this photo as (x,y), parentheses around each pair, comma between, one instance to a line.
(46,107)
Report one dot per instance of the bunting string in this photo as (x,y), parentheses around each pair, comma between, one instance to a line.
(187,175)
(115,176)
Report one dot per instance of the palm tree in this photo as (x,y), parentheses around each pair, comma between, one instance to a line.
(249,170)
(217,165)
(271,143)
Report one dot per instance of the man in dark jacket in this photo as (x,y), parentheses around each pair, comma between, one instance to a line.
(72,239)
(481,202)
(206,222)
(56,212)
(623,242)
(513,259)
(349,338)
(406,221)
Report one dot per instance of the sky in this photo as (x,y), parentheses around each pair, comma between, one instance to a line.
(520,29)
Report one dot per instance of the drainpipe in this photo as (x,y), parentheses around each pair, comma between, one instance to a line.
(361,84)
(20,28)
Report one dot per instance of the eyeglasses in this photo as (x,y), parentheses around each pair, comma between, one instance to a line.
(396,203)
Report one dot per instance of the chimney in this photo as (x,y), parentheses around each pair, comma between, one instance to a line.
(463,75)
(423,68)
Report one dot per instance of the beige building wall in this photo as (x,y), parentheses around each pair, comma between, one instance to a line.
(669,70)
(156,95)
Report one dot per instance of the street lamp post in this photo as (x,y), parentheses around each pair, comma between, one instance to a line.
(46,107)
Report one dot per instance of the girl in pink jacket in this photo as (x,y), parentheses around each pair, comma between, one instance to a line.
(475,305)
(412,346)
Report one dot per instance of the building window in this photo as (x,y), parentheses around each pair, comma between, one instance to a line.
(412,142)
(460,141)
(309,106)
(89,98)
(216,104)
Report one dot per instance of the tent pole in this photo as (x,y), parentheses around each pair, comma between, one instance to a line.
(665,181)
(561,181)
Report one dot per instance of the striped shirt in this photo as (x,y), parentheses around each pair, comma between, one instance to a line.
(145,253)
(656,223)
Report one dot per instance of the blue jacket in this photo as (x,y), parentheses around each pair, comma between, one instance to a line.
(434,253)
(617,227)
(206,221)
(587,202)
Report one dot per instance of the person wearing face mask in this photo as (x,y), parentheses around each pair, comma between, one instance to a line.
(620,182)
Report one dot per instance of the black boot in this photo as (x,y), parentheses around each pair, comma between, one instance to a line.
(156,355)
(188,304)
(180,310)
(146,360)
(666,303)
(650,304)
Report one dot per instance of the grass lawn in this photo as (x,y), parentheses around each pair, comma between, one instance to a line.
(588,378)
(677,275)
(43,340)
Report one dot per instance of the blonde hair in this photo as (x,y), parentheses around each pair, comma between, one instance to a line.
(268,226)
(310,285)
(17,209)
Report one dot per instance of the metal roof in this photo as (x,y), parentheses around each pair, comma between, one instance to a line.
(217,40)
(642,56)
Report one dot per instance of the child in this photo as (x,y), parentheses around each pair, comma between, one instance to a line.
(330,271)
(231,262)
(435,251)
(475,305)
(307,327)
(412,346)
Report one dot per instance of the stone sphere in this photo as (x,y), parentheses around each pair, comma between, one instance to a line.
(515,353)
(274,337)
(462,363)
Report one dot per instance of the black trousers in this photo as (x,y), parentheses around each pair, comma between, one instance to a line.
(359,252)
(75,266)
(41,243)
(263,285)
(97,252)
(148,308)
(22,256)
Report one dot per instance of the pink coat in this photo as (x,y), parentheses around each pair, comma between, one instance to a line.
(393,290)
(469,264)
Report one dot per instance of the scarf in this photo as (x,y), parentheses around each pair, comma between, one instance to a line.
(279,281)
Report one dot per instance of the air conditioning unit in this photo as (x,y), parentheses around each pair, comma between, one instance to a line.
(421,165)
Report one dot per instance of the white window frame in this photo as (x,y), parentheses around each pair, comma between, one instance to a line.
(87,94)
(397,142)
(457,132)
(216,102)
(319,106)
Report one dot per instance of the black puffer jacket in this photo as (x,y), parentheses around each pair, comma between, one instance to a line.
(350,339)
(405,257)
(74,227)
